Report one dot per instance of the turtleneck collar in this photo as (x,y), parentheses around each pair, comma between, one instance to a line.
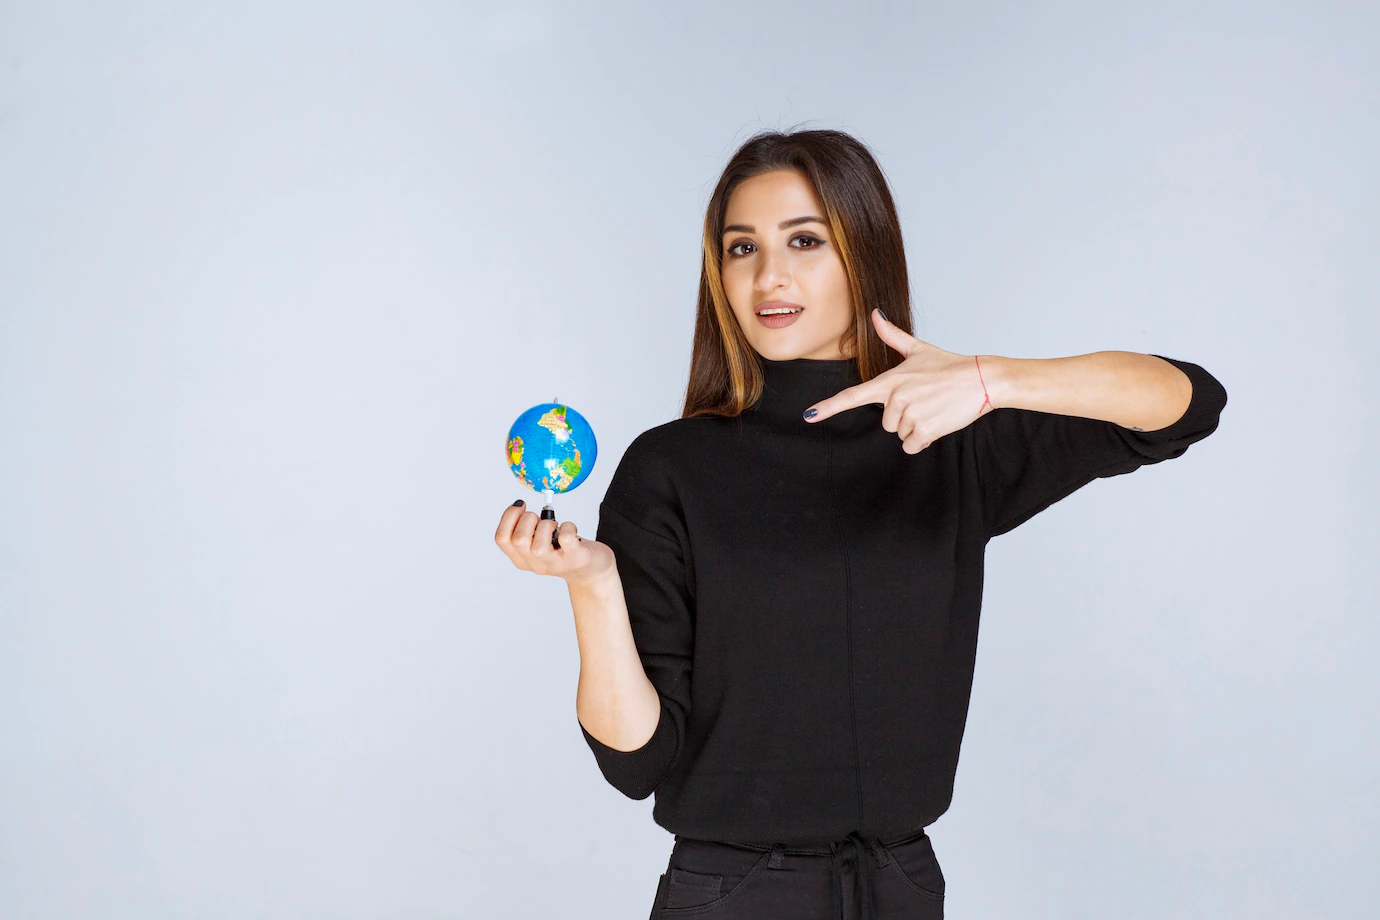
(790,387)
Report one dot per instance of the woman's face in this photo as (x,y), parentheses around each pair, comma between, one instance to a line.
(777,247)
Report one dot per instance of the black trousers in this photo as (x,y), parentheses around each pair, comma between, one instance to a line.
(857,878)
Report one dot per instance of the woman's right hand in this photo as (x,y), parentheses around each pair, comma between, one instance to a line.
(526,539)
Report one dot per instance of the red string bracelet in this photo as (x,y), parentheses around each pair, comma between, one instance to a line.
(987,400)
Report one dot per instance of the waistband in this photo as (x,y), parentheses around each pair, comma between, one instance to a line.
(846,858)
(822,849)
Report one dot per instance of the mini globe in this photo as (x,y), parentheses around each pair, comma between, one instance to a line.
(551,448)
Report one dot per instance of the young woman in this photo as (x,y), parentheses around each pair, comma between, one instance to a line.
(778,620)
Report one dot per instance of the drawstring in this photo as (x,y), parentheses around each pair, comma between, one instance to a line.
(855,854)
(849,856)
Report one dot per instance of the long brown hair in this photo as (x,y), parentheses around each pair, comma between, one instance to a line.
(725,374)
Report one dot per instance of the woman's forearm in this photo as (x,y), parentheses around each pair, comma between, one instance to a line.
(615,702)
(1134,390)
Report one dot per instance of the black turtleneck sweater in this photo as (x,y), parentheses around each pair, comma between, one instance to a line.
(805,598)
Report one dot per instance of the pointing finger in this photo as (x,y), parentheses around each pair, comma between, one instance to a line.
(870,391)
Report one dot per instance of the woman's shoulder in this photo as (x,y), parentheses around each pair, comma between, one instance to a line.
(681,437)
(661,459)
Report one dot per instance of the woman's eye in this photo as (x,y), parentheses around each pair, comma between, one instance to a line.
(814,243)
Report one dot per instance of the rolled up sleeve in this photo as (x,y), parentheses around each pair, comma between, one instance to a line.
(1028,460)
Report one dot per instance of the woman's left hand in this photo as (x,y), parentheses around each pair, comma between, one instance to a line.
(931,393)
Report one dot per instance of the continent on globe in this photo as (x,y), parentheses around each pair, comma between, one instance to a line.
(544,448)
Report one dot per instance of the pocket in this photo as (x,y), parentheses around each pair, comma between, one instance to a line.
(700,880)
(914,861)
(692,889)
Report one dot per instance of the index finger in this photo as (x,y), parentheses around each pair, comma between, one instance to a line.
(869,391)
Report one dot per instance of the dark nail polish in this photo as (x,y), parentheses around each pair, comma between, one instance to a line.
(518,502)
(884,316)
(811,413)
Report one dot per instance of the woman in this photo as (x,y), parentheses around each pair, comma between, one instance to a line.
(778,620)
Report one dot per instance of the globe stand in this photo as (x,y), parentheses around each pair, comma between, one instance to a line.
(548,513)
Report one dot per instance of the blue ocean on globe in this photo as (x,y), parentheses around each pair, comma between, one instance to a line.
(551,446)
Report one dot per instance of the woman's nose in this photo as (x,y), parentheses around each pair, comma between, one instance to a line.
(772,271)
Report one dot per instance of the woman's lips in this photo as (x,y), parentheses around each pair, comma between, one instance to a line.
(778,320)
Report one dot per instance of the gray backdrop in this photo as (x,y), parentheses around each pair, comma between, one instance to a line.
(275,281)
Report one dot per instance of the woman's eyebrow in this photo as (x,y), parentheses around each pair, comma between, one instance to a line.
(744,228)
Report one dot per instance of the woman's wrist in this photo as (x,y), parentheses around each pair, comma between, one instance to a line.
(598,584)
(1000,375)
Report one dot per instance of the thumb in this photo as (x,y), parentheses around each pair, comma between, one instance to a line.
(893,335)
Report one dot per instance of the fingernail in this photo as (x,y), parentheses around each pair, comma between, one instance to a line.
(883,312)
(811,413)
(518,502)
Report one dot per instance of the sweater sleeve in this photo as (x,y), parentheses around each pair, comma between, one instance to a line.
(1028,460)
(638,520)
